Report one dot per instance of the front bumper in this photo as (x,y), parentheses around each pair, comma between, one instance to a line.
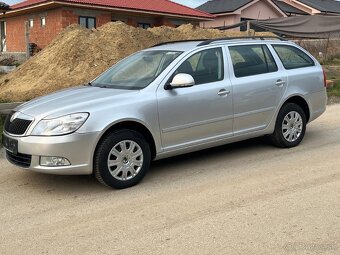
(77,148)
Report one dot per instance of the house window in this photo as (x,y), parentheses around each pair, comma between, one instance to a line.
(43,21)
(30,22)
(144,25)
(88,22)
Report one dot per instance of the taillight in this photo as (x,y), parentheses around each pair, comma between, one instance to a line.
(324,79)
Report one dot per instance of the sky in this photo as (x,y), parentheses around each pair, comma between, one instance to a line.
(191,3)
(10,2)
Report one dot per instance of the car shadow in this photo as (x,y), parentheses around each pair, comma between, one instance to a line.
(159,170)
(223,152)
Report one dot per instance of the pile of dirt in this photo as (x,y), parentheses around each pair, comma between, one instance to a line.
(78,55)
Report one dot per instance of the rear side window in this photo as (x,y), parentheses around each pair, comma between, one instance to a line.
(293,57)
(251,60)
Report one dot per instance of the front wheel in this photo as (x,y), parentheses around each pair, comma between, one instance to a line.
(290,126)
(122,159)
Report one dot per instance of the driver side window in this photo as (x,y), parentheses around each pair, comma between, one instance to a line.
(205,66)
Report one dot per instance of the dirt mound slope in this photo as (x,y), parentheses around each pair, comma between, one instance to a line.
(78,55)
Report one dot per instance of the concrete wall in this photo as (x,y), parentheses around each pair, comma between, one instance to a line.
(221,21)
(18,57)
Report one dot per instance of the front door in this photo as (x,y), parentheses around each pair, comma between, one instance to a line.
(200,113)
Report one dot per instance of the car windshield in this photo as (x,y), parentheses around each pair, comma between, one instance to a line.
(137,71)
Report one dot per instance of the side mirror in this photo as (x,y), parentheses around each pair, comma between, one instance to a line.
(181,80)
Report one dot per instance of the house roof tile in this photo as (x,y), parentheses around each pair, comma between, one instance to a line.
(323,5)
(288,9)
(222,6)
(162,6)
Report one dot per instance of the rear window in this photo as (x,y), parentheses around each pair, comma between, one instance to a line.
(251,60)
(292,57)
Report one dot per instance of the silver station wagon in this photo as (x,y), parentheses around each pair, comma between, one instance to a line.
(170,99)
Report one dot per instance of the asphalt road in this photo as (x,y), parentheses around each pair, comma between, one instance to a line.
(245,198)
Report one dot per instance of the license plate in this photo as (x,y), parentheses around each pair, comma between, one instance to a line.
(10,144)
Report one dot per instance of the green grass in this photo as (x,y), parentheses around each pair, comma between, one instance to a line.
(333,73)
(335,90)
(331,62)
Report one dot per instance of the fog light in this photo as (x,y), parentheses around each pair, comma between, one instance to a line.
(54,161)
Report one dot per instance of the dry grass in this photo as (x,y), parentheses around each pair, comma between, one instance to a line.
(326,51)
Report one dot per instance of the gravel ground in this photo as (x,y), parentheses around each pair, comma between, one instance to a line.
(245,198)
(333,100)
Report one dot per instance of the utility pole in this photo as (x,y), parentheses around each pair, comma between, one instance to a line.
(248,28)
(27,39)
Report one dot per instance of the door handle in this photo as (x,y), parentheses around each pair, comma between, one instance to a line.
(280,83)
(223,92)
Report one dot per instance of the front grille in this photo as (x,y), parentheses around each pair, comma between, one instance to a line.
(17,126)
(21,160)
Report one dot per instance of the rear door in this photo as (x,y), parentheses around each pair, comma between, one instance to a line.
(258,86)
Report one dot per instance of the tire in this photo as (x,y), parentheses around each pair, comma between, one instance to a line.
(290,126)
(122,159)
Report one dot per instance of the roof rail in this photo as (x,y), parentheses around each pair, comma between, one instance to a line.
(206,42)
(191,40)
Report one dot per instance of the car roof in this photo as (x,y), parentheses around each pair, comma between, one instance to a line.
(176,46)
(191,44)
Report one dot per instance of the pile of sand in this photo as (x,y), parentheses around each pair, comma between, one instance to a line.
(78,55)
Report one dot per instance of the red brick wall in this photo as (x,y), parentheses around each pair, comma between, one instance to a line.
(164,22)
(42,36)
(15,38)
(68,18)
(103,19)
(56,21)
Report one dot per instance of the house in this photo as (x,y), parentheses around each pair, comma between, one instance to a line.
(290,10)
(316,7)
(47,18)
(229,12)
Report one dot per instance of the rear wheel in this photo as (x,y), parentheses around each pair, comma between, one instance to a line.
(290,126)
(122,159)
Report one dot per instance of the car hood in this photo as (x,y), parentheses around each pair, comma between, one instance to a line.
(77,99)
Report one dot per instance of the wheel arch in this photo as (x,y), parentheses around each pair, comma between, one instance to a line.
(133,125)
(300,101)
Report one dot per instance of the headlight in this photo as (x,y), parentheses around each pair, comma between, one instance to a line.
(60,126)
